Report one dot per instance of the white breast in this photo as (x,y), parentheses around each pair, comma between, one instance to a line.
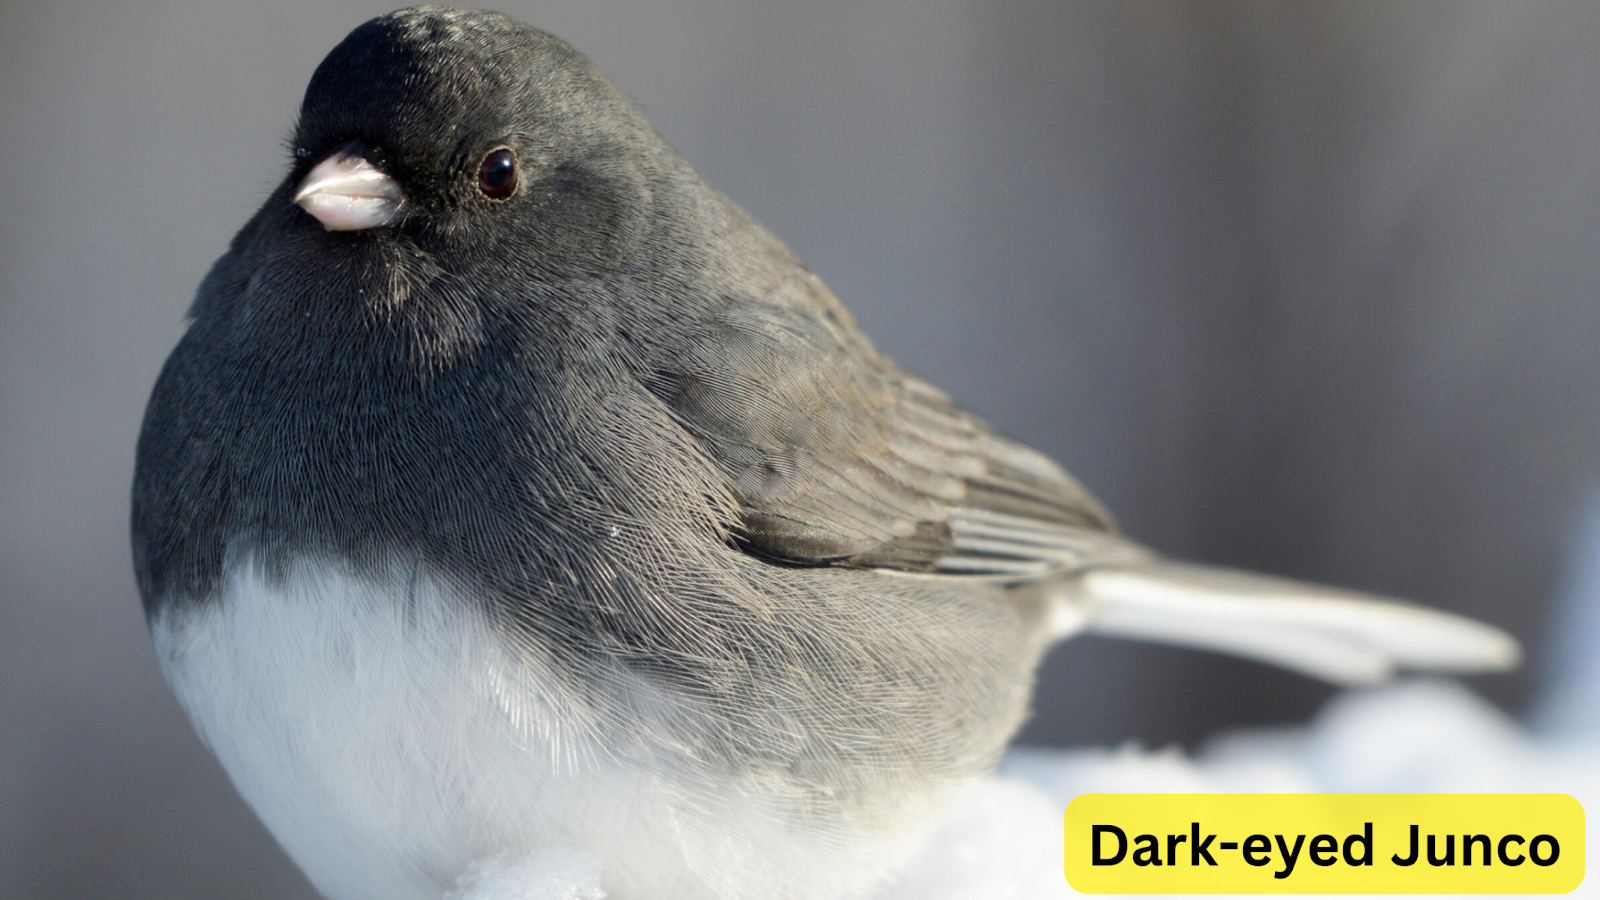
(388,739)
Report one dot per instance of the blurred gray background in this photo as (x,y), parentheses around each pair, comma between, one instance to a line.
(1303,288)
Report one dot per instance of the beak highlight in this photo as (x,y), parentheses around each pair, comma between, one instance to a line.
(347,193)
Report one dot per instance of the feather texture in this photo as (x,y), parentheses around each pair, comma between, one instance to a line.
(1339,636)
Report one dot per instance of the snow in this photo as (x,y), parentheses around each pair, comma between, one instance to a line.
(1002,840)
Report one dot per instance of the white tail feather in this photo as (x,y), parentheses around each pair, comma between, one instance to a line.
(1338,636)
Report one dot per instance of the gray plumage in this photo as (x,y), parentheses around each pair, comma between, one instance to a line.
(655,455)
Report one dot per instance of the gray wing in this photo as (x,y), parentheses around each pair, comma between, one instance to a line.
(840,457)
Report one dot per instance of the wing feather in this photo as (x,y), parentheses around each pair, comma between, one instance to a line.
(840,457)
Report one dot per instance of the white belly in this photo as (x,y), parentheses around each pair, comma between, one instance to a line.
(388,739)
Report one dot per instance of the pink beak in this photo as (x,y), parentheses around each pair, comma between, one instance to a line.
(347,193)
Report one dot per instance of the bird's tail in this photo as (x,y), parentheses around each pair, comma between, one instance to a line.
(1338,636)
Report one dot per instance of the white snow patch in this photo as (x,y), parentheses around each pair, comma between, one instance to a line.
(1003,840)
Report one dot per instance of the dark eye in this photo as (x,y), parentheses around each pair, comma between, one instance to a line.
(497,174)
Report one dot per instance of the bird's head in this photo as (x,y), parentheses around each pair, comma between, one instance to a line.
(474,138)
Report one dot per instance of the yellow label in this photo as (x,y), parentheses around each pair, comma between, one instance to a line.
(1324,843)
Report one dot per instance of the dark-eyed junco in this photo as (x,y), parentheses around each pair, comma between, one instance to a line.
(512,488)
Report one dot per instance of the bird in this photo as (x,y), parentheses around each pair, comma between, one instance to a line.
(511,488)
